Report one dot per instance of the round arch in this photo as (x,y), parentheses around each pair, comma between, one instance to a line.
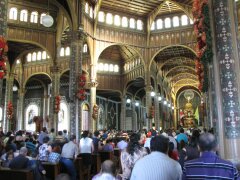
(39,73)
(166,47)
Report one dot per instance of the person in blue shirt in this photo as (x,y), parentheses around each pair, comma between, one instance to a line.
(182,136)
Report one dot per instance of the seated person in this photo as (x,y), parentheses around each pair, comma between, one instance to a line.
(108,146)
(108,171)
(21,161)
(7,157)
(55,155)
(44,149)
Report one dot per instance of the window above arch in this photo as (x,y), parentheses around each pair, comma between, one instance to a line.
(24,15)
(159,24)
(13,13)
(34,17)
(34,56)
(184,20)
(39,55)
(132,23)
(62,53)
(109,18)
(91,12)
(85,48)
(124,22)
(175,21)
(86,8)
(101,16)
(67,51)
(43,14)
(139,25)
(117,21)
(167,23)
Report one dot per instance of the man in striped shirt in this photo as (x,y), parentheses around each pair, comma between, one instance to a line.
(209,165)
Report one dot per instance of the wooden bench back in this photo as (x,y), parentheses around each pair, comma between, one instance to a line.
(52,170)
(8,174)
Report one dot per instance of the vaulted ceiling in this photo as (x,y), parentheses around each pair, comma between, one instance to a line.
(145,7)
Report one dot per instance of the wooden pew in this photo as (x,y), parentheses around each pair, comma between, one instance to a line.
(52,169)
(105,155)
(9,174)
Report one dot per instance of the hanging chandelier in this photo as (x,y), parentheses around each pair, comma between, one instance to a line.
(47,20)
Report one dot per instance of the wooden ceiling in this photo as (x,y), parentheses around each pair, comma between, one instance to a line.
(144,7)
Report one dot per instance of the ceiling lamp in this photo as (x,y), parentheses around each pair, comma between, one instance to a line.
(47,20)
(15,88)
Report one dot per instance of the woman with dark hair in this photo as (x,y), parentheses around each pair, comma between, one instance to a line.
(192,148)
(130,155)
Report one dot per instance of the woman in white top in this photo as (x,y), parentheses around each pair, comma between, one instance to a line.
(86,148)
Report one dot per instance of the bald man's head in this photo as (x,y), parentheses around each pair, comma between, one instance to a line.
(207,142)
(108,167)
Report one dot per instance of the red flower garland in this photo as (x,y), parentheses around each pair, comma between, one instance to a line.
(57,104)
(3,49)
(81,91)
(10,110)
(203,47)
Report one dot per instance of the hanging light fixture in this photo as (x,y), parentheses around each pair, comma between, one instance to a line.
(47,20)
(15,88)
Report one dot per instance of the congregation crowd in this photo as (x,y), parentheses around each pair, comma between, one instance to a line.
(144,155)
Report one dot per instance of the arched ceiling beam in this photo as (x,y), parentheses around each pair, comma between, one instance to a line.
(176,59)
(183,81)
(184,7)
(97,9)
(187,67)
(173,78)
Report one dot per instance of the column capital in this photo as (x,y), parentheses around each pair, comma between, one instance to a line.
(93,84)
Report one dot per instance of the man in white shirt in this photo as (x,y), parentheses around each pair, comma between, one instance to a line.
(122,144)
(157,165)
(69,153)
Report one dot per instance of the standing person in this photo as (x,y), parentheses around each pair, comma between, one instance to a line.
(42,135)
(209,165)
(157,165)
(131,155)
(182,136)
(52,135)
(86,148)
(69,153)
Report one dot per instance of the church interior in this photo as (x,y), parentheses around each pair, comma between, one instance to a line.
(121,64)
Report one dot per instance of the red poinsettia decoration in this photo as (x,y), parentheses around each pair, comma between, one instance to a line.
(3,49)
(203,47)
(57,104)
(81,91)
(10,110)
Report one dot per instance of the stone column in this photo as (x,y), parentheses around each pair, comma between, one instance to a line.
(55,74)
(148,105)
(134,116)
(157,114)
(20,113)
(227,78)
(8,97)
(3,31)
(75,72)
(93,122)
(123,114)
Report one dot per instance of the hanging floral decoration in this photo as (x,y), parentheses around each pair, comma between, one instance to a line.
(57,104)
(9,110)
(204,42)
(81,91)
(151,112)
(3,49)
(95,112)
